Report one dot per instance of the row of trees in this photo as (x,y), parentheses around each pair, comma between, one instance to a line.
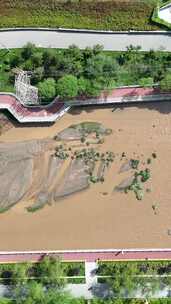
(39,283)
(42,283)
(72,72)
(128,277)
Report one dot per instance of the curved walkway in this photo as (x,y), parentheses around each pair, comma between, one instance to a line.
(32,114)
(57,109)
(55,38)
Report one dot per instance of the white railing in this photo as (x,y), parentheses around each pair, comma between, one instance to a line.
(124,250)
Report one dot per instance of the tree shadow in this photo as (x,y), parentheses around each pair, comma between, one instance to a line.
(163,107)
(101,291)
(77,110)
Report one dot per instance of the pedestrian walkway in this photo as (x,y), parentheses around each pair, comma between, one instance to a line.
(88,255)
(90,273)
(24,114)
(57,108)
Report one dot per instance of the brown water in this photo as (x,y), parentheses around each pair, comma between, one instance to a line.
(91,219)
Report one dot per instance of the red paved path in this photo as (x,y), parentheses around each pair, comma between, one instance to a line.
(50,113)
(88,256)
(22,113)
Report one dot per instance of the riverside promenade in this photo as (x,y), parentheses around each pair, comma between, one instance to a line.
(87,255)
(58,108)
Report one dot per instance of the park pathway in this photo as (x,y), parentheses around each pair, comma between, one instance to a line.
(55,38)
(88,255)
(57,109)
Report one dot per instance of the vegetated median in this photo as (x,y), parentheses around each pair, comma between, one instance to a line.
(98,14)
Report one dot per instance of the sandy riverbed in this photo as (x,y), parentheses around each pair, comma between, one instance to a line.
(91,219)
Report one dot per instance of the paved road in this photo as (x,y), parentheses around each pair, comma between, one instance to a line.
(57,39)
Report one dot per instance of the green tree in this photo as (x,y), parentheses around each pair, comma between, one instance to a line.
(52,61)
(6,301)
(74,52)
(67,86)
(97,49)
(47,89)
(50,272)
(56,297)
(28,51)
(101,68)
(82,84)
(71,66)
(148,81)
(123,277)
(148,286)
(36,59)
(30,293)
(165,83)
(93,88)
(38,75)
(15,274)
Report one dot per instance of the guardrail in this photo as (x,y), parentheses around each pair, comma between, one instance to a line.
(122,250)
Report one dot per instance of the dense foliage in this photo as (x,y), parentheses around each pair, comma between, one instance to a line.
(98,14)
(41,283)
(73,72)
(131,301)
(38,283)
(129,276)
(48,272)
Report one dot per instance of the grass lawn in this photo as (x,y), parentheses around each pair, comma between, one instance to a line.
(107,15)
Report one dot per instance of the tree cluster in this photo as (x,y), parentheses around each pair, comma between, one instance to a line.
(39,283)
(125,278)
(70,73)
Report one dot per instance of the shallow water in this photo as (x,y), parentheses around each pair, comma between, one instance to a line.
(91,219)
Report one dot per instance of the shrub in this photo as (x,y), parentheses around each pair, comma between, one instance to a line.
(154,155)
(93,88)
(82,84)
(165,83)
(47,88)
(146,82)
(67,86)
(28,51)
(134,163)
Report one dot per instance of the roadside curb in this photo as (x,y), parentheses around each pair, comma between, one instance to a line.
(84,31)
